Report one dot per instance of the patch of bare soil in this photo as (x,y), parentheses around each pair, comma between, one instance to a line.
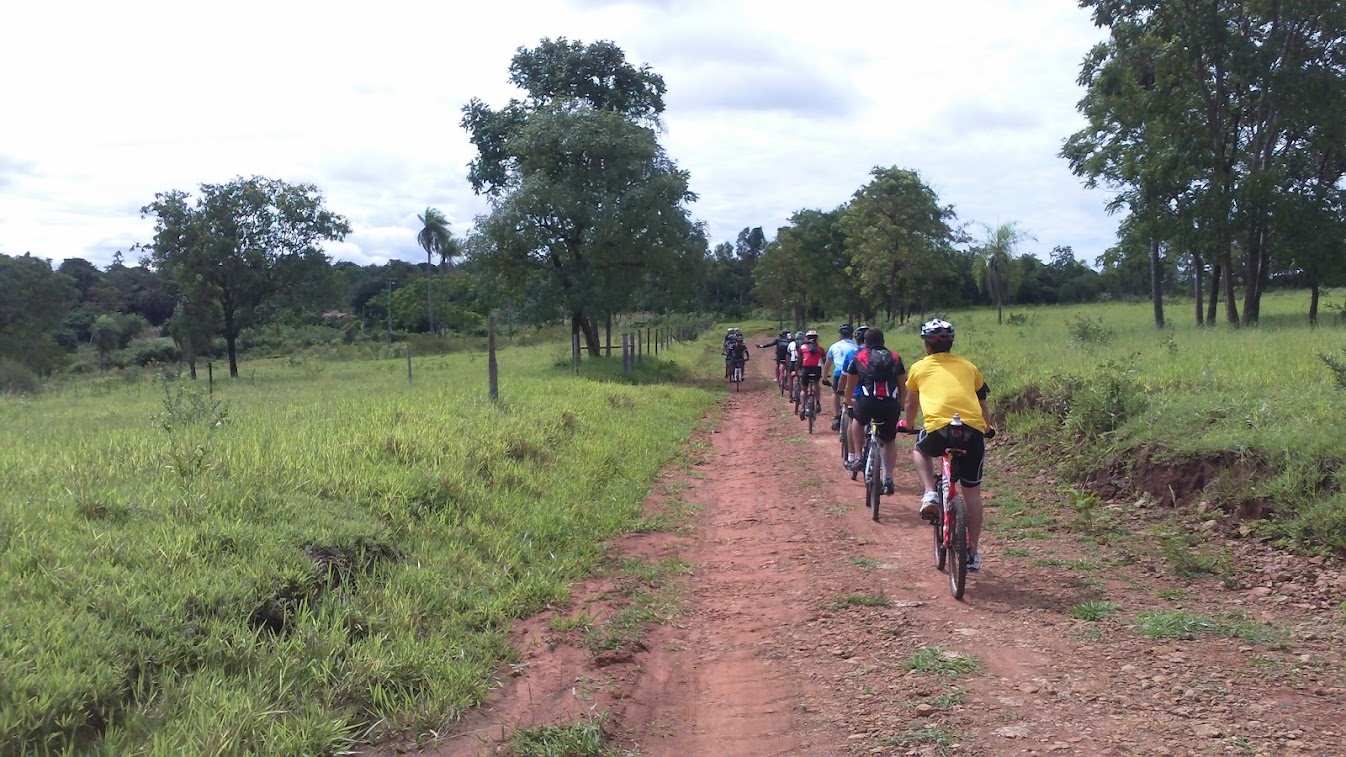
(1106,628)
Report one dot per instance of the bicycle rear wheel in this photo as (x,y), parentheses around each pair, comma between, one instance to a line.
(937,526)
(812,414)
(873,479)
(958,553)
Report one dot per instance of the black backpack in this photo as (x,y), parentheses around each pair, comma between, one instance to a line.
(882,370)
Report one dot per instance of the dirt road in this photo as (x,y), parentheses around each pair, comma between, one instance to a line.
(806,628)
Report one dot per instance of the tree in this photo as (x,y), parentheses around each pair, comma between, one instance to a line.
(33,301)
(898,238)
(435,238)
(995,266)
(1199,113)
(240,243)
(586,206)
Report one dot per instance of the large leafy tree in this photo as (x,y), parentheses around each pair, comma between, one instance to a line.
(238,244)
(33,300)
(586,206)
(1198,112)
(899,238)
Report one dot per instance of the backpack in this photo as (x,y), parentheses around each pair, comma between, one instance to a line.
(881,372)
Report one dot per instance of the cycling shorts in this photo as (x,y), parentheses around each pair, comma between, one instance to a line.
(813,373)
(887,412)
(967,465)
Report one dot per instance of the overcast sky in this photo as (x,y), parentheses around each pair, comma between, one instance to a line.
(772,107)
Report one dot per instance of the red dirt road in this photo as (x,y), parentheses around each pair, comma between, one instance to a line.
(774,650)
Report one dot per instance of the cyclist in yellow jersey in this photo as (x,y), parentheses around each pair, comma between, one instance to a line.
(942,385)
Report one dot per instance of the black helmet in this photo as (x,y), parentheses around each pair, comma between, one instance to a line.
(860,332)
(845,330)
(937,332)
(784,333)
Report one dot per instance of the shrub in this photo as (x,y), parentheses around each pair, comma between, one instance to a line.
(1089,331)
(154,351)
(1102,405)
(17,378)
(1337,366)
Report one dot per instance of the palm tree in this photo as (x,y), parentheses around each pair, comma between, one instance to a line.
(995,266)
(435,237)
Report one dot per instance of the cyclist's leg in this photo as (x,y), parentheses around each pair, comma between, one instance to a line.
(967,467)
(928,447)
(836,395)
(888,413)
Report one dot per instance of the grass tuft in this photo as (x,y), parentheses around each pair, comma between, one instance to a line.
(1093,610)
(943,662)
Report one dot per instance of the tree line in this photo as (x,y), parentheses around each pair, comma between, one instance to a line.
(1217,124)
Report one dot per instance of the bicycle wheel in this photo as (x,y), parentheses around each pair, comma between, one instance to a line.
(842,433)
(812,415)
(937,526)
(958,548)
(873,479)
(780,379)
(795,395)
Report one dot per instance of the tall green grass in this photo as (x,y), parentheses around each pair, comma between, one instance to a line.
(1101,388)
(316,554)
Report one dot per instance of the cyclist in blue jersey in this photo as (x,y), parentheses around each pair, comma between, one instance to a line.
(838,360)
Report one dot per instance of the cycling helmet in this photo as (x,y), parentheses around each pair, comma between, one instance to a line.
(845,330)
(784,333)
(937,331)
(799,336)
(811,334)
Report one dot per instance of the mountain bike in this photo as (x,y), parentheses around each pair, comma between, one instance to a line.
(949,524)
(796,390)
(842,423)
(873,469)
(780,376)
(736,374)
(811,403)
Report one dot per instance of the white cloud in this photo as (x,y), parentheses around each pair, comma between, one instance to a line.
(772,107)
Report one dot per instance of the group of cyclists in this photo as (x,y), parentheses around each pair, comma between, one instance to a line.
(870,383)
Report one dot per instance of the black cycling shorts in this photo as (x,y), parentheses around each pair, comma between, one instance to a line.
(967,465)
(808,374)
(886,411)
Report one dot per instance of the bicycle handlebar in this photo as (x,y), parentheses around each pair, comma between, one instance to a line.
(990,432)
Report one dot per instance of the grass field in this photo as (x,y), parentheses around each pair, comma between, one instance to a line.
(316,554)
(1253,416)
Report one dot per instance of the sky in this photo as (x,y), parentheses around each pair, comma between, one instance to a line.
(772,107)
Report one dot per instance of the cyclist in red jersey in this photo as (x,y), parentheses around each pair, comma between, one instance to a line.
(811,357)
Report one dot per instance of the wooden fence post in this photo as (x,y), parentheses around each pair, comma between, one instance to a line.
(492,370)
(408,362)
(575,352)
(609,330)
(626,352)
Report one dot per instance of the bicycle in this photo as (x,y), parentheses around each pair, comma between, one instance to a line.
(796,390)
(949,524)
(780,376)
(811,405)
(842,423)
(873,469)
(736,374)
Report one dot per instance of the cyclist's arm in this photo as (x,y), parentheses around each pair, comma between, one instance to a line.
(913,404)
(902,392)
(981,401)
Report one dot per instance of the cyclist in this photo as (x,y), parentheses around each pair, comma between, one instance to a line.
(729,339)
(943,384)
(795,343)
(737,354)
(782,345)
(838,359)
(810,366)
(855,437)
(879,380)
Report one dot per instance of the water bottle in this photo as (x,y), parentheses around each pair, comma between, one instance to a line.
(956,420)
